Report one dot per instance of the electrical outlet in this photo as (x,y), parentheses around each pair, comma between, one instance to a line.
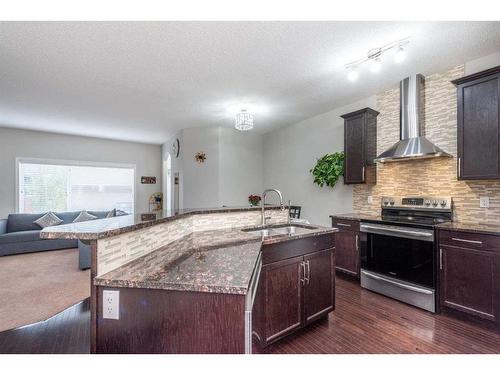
(370,199)
(111,304)
(484,202)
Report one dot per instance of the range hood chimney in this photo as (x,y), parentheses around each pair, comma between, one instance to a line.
(412,144)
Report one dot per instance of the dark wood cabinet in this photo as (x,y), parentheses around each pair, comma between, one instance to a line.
(478,111)
(347,259)
(283,283)
(469,273)
(294,291)
(318,291)
(360,146)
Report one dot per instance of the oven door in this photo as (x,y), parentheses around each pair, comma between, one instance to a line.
(398,252)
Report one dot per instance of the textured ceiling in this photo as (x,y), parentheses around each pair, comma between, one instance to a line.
(142,81)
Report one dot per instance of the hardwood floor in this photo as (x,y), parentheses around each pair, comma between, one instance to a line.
(64,333)
(363,322)
(366,322)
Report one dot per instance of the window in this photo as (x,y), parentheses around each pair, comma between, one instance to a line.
(72,186)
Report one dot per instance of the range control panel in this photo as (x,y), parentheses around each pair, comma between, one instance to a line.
(430,203)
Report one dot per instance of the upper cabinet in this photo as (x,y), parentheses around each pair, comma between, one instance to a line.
(360,146)
(479,125)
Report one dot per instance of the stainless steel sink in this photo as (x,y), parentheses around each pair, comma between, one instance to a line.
(288,230)
(260,232)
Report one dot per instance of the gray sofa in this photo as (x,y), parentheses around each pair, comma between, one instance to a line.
(18,233)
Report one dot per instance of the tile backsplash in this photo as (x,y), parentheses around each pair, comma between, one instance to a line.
(431,177)
(116,251)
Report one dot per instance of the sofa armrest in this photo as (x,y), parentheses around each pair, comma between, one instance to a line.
(3,226)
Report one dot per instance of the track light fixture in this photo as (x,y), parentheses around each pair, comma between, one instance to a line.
(374,58)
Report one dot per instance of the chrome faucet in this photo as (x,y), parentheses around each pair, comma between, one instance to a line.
(263,202)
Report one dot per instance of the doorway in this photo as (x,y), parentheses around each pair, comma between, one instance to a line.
(167,186)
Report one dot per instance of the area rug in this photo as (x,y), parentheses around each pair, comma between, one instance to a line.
(34,287)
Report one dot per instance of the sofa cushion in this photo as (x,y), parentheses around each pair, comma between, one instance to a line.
(23,236)
(68,216)
(22,222)
(48,220)
(84,216)
(99,214)
(111,213)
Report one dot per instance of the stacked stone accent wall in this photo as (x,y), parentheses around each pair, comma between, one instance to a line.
(432,177)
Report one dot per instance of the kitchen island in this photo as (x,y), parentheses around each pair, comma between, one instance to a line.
(184,282)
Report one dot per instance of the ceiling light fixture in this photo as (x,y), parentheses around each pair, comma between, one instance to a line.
(374,57)
(243,120)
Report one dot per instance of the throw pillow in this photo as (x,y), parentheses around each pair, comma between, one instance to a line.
(48,220)
(84,216)
(111,213)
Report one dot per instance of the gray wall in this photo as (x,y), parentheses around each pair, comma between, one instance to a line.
(233,169)
(241,163)
(24,143)
(483,63)
(200,182)
(290,153)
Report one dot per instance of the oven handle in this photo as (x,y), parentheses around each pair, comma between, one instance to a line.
(404,286)
(387,230)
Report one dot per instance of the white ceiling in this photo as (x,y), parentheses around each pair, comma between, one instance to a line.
(142,81)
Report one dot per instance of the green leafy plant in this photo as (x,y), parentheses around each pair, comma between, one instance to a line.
(328,169)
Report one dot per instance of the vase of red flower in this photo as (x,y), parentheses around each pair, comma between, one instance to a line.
(254,200)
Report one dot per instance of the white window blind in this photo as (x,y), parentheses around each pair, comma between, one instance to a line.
(61,187)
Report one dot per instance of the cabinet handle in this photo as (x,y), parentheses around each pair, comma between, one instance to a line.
(303,273)
(343,225)
(440,258)
(308,279)
(363,173)
(459,168)
(468,241)
(357,243)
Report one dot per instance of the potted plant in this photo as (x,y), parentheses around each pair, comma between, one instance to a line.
(254,199)
(328,169)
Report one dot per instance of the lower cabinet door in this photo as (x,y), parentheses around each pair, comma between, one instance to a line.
(347,254)
(283,297)
(319,285)
(467,278)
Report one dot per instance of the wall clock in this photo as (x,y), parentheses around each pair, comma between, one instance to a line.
(176,147)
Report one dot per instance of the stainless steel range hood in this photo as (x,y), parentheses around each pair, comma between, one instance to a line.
(412,144)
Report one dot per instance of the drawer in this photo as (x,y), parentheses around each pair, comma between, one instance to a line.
(469,240)
(344,224)
(289,249)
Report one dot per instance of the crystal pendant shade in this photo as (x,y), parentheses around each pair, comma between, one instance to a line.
(244,121)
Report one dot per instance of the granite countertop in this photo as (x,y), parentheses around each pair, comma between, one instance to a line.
(453,225)
(471,227)
(215,261)
(357,217)
(103,228)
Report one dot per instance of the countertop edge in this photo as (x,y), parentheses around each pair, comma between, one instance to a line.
(52,233)
(468,228)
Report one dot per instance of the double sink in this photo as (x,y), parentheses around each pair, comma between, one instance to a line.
(278,230)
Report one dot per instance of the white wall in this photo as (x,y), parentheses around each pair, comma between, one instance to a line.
(23,143)
(483,63)
(241,163)
(233,169)
(290,153)
(200,182)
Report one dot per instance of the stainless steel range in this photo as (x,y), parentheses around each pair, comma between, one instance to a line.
(398,254)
